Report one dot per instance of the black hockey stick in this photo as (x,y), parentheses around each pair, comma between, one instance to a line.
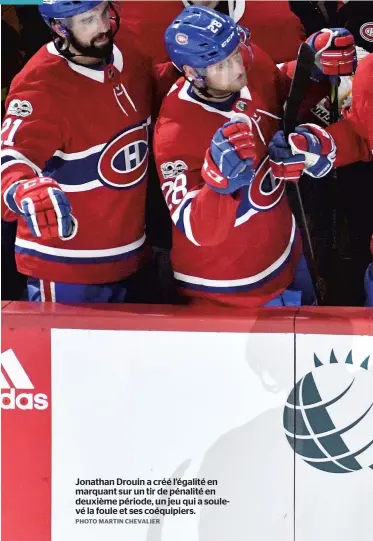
(298,89)
(340,236)
(334,117)
(341,245)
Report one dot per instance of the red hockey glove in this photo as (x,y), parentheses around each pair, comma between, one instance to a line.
(310,150)
(335,52)
(44,206)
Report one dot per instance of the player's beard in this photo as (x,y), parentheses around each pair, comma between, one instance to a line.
(94,51)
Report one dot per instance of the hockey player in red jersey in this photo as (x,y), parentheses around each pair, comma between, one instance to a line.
(273,26)
(235,241)
(74,159)
(352,137)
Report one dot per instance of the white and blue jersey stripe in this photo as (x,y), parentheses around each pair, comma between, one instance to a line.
(62,255)
(241,284)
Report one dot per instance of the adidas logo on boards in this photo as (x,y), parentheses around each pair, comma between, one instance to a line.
(13,379)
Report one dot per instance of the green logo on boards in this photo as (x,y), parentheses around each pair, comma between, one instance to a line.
(328,417)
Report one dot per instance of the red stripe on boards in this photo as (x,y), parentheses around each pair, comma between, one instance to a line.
(26,438)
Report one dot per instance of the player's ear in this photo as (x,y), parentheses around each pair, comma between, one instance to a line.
(59,29)
(190,73)
(196,78)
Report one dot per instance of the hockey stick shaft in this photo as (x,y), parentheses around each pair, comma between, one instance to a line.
(298,89)
(334,115)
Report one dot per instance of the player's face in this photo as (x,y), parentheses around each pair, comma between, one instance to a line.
(229,75)
(91,32)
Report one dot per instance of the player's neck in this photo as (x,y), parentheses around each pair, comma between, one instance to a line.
(88,61)
(213,95)
(82,59)
(85,60)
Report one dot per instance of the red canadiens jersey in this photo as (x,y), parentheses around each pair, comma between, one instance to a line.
(354,134)
(273,26)
(238,251)
(88,129)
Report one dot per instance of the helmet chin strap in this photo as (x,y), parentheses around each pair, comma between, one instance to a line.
(63,48)
(204,90)
(200,78)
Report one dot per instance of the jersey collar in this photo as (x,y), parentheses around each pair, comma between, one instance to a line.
(186,95)
(91,73)
(220,105)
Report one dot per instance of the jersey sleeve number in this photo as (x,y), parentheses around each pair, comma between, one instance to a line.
(10,126)
(176,190)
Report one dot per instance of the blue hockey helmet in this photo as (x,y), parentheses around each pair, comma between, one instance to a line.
(61,9)
(200,37)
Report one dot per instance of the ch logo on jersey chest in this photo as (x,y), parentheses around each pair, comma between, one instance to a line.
(265,192)
(123,162)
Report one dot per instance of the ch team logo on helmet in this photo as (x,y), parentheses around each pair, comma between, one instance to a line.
(200,37)
(181,39)
(366,31)
(124,160)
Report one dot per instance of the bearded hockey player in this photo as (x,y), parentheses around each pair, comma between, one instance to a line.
(235,241)
(74,159)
